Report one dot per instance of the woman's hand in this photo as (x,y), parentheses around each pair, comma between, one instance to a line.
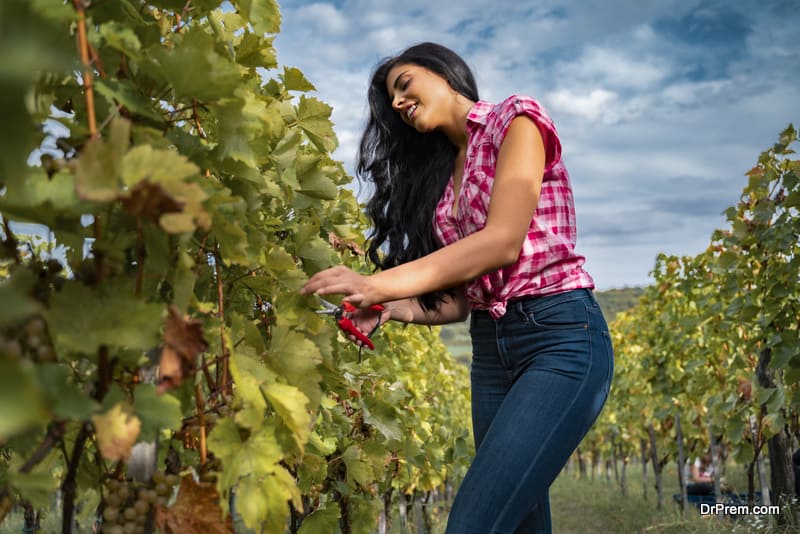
(367,321)
(356,288)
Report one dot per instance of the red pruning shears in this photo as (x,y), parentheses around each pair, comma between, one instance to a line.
(345,324)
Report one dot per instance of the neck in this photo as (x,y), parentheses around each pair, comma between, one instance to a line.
(456,129)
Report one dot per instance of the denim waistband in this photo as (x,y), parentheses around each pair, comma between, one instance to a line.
(517,307)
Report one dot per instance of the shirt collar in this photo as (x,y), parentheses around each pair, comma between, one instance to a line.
(479,112)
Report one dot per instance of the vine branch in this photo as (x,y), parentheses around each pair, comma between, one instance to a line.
(88,80)
(222,371)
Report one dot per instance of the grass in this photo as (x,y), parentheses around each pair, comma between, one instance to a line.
(585,506)
(589,506)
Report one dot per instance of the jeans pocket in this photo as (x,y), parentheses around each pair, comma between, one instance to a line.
(566,315)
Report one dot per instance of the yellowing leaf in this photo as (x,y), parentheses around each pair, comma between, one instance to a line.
(97,170)
(264,15)
(295,80)
(292,407)
(256,455)
(144,162)
(117,430)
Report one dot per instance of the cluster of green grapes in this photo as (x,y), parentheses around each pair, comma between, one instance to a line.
(32,340)
(128,503)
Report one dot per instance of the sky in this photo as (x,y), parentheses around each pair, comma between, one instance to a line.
(661,107)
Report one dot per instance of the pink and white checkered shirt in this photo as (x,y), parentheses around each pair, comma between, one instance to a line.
(547,263)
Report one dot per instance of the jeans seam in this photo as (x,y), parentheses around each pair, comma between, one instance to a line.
(550,435)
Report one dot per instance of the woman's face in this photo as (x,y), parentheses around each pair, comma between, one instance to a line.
(422,97)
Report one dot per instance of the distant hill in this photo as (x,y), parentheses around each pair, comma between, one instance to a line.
(456,335)
(614,301)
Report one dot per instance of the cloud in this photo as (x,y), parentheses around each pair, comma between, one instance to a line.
(591,106)
(661,106)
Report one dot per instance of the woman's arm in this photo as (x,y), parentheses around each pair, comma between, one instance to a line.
(515,194)
(454,309)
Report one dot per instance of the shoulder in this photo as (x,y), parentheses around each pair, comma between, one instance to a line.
(516,105)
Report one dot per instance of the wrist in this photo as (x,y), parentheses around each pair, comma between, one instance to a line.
(399,310)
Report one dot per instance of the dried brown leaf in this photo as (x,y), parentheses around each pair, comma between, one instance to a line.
(183,342)
(196,511)
(150,200)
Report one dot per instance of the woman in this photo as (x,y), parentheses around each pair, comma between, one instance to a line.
(473,211)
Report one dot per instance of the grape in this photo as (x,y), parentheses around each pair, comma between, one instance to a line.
(34,342)
(111,514)
(162,501)
(113,484)
(123,492)
(45,353)
(12,348)
(150,496)
(208,476)
(129,528)
(35,327)
(159,477)
(141,507)
(129,514)
(112,499)
(162,489)
(172,480)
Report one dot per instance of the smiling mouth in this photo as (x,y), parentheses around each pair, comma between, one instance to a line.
(410,111)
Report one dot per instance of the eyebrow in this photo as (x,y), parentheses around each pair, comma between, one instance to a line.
(397,80)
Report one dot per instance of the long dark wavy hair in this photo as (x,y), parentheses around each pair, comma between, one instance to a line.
(408,169)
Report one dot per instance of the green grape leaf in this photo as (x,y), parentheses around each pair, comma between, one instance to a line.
(313,117)
(17,305)
(285,151)
(122,38)
(195,69)
(384,418)
(295,358)
(65,397)
(124,93)
(317,254)
(21,402)
(359,470)
(82,320)
(37,487)
(323,520)
(315,183)
(156,412)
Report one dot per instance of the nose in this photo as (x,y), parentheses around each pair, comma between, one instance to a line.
(397,102)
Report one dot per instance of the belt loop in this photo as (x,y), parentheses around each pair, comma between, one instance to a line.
(520,306)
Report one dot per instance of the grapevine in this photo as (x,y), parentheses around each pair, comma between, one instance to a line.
(159,368)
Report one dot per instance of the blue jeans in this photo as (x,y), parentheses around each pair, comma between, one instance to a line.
(540,376)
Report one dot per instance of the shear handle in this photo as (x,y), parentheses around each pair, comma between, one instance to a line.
(349,327)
